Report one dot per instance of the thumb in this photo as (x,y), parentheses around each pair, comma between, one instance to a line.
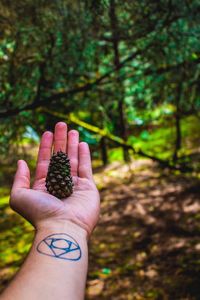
(22,176)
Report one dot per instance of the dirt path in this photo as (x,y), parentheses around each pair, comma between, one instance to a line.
(147,243)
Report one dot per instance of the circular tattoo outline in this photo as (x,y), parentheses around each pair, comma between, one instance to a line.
(52,238)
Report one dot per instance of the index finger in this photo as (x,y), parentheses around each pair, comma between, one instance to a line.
(44,155)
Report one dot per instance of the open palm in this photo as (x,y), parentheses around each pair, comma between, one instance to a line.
(41,208)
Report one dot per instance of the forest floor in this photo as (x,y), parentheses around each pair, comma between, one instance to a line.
(146,245)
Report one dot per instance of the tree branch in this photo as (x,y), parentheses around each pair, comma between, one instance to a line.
(117,140)
(57,96)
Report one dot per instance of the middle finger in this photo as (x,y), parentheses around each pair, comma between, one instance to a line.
(60,137)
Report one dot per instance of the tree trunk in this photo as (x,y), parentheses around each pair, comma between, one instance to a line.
(104,154)
(123,133)
(119,85)
(178,137)
(178,140)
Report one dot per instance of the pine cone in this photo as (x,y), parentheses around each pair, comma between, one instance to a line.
(59,181)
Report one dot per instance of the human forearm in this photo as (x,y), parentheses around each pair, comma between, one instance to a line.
(56,266)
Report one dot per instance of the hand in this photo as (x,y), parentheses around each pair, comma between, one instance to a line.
(42,209)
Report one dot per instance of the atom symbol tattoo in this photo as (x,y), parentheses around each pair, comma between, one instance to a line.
(60,245)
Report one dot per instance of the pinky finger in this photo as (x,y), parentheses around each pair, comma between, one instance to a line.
(85,165)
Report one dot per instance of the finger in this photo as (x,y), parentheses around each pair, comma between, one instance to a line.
(44,155)
(72,150)
(60,137)
(22,176)
(85,165)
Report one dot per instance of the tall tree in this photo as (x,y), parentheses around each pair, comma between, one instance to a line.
(119,89)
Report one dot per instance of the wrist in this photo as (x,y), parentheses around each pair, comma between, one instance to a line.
(67,227)
(62,240)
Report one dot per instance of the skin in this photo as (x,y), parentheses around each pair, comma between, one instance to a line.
(76,216)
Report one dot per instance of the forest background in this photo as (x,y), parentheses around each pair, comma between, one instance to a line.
(126,75)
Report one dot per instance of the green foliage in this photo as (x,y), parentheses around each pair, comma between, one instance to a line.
(124,66)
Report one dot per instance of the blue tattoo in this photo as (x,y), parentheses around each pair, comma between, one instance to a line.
(60,245)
